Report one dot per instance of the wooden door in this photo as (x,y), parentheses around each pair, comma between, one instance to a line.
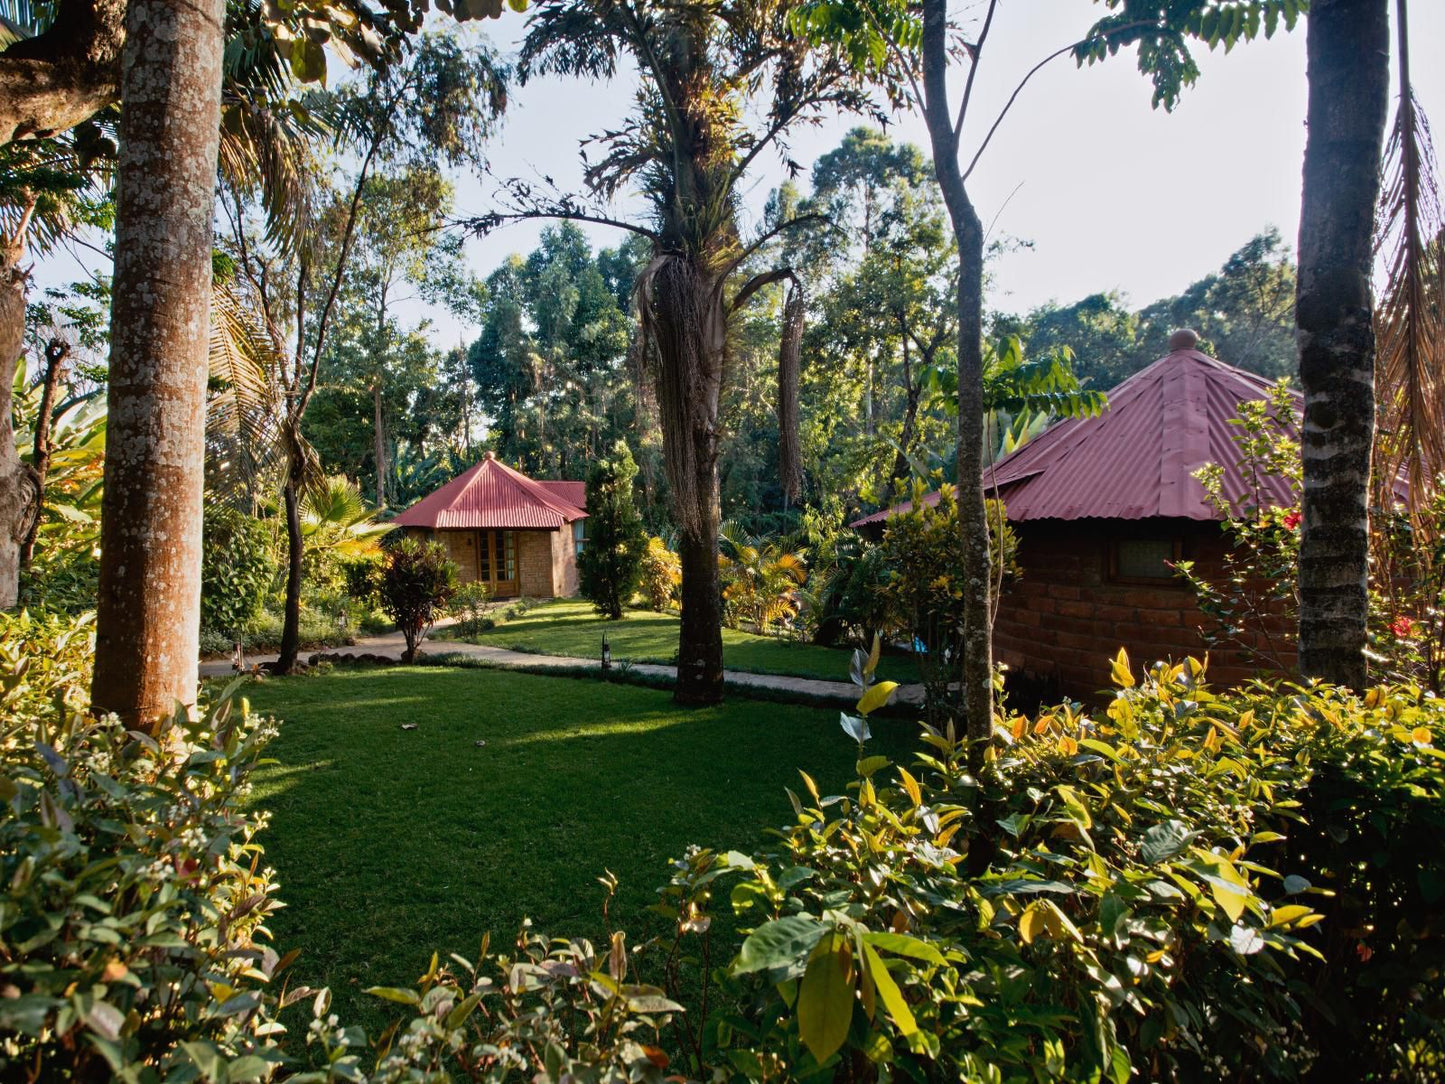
(497,562)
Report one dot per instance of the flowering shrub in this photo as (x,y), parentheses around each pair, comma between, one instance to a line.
(661,576)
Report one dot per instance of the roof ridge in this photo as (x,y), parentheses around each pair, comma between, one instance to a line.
(535,490)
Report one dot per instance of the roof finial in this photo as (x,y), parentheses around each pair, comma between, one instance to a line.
(1184,338)
(491,455)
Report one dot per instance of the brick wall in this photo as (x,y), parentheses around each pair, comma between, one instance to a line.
(534,563)
(1067,616)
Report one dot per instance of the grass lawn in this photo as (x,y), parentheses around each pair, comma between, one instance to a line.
(572,627)
(391,843)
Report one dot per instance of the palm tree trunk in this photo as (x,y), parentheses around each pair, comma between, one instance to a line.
(1348,47)
(684,314)
(148,619)
(977,670)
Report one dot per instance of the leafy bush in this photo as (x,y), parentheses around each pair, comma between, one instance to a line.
(237,567)
(610,562)
(661,576)
(418,583)
(923,549)
(134,900)
(363,578)
(471,605)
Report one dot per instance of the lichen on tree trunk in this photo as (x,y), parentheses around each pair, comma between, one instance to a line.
(1348,48)
(148,618)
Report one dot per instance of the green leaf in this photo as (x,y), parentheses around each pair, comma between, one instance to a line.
(1163,841)
(395,993)
(783,943)
(869,766)
(900,944)
(888,990)
(825,999)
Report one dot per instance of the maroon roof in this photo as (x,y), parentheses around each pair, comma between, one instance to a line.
(1137,459)
(492,496)
(574,493)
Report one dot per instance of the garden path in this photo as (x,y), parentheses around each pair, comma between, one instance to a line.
(391,645)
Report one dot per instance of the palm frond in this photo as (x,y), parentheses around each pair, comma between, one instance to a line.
(1410,319)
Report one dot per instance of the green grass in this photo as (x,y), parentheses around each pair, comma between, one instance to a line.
(389,844)
(572,627)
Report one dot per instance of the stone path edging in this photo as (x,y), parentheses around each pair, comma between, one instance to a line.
(391,645)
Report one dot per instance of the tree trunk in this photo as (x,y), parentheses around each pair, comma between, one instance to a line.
(684,314)
(977,671)
(379,435)
(56,351)
(53,81)
(148,619)
(291,624)
(19,489)
(1348,48)
(699,647)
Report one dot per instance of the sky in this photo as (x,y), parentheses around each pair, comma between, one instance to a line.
(1108,192)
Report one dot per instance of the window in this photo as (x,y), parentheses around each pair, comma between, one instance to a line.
(579,534)
(1143,559)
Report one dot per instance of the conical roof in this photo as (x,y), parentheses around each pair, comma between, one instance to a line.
(1137,459)
(492,496)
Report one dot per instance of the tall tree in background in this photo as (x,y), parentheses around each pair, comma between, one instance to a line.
(1349,48)
(611,559)
(721,84)
(439,104)
(148,619)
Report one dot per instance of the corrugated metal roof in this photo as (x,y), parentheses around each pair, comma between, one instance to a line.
(1137,459)
(492,496)
(574,493)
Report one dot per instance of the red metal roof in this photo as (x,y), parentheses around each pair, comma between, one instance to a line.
(1137,459)
(574,493)
(493,496)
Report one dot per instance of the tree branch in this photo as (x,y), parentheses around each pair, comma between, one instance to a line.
(973,70)
(757,282)
(57,79)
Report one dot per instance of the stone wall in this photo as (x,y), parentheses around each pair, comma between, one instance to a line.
(1069,613)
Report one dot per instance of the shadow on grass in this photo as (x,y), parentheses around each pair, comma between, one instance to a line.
(415,840)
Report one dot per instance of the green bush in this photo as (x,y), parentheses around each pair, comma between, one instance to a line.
(418,583)
(471,606)
(237,567)
(661,576)
(134,901)
(610,564)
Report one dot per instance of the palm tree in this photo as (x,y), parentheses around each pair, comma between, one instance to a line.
(762,578)
(1349,49)
(708,71)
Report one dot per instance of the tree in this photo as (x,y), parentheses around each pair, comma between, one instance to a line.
(440,104)
(888,39)
(610,563)
(416,585)
(721,83)
(1348,44)
(148,613)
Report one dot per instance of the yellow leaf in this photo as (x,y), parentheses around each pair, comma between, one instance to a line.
(1284,916)
(1031,924)
(808,782)
(872,663)
(910,785)
(1119,672)
(1068,746)
(1421,735)
(876,697)
(1020,724)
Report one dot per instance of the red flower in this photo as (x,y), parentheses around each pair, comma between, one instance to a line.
(1402,627)
(1292,518)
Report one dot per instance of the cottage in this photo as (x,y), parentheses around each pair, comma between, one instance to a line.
(1101,506)
(517,535)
